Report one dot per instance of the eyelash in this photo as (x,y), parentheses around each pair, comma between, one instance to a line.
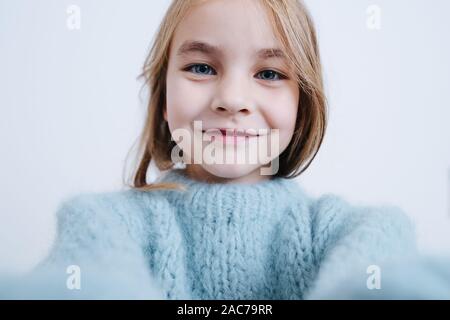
(190,67)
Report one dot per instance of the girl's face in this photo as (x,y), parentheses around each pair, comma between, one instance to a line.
(221,74)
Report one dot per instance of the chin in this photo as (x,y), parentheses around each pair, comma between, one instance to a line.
(231,171)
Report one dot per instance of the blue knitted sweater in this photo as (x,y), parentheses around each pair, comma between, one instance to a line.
(267,240)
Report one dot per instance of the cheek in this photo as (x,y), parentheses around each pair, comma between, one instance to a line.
(184,101)
(281,112)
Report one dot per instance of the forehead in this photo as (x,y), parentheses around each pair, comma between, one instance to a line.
(219,27)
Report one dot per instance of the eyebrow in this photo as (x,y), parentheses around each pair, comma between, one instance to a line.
(198,46)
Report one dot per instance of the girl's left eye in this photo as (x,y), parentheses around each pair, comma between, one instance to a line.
(202,69)
(269,73)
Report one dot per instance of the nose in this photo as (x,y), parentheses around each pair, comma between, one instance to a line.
(233,96)
(232,110)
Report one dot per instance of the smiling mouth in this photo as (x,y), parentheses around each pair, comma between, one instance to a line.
(230,136)
(232,132)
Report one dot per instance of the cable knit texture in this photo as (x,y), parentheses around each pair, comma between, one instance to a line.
(267,240)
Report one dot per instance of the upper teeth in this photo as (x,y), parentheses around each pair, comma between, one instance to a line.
(231,132)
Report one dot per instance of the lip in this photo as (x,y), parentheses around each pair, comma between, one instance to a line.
(233,132)
(231,135)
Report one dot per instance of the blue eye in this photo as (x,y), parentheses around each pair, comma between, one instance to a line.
(204,69)
(270,73)
(199,68)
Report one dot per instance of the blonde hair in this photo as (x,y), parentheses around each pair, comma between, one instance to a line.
(294,28)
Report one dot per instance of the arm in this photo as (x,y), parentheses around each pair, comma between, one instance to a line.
(95,239)
(347,239)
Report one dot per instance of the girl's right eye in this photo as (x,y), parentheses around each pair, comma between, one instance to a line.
(201,69)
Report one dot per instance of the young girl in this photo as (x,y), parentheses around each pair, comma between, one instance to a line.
(247,71)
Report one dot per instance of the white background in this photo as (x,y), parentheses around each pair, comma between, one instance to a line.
(70,110)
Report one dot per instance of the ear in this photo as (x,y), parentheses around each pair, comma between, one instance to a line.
(165,113)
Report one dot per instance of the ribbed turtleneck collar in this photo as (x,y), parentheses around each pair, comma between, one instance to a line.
(218,203)
(234,199)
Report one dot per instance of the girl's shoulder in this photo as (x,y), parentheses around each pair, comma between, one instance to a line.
(119,202)
(331,216)
(332,210)
(127,211)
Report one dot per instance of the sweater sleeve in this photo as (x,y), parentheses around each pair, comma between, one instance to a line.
(94,256)
(350,244)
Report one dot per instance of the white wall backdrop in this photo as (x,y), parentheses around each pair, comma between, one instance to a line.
(70,109)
